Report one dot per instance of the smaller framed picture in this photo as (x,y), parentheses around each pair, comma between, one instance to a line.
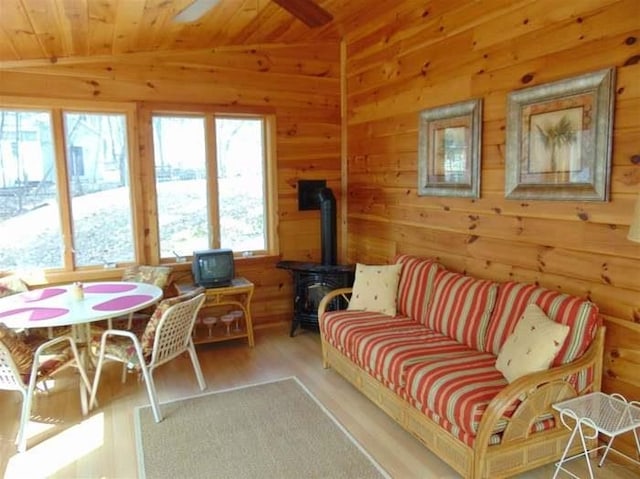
(559,139)
(449,150)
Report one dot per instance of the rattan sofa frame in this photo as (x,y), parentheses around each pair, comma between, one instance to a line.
(519,450)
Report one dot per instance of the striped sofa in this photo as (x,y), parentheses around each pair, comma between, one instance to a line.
(432,367)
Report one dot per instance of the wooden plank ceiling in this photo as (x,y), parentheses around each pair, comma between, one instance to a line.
(63,29)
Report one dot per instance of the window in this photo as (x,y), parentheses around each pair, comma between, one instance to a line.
(64,209)
(181,187)
(208,200)
(75,195)
(29,219)
(98,176)
(241,179)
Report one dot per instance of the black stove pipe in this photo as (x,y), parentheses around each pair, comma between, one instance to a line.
(328,230)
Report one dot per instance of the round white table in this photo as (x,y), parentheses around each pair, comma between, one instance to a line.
(57,306)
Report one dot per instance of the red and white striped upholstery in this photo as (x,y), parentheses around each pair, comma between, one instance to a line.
(439,352)
(386,354)
(461,307)
(340,327)
(457,389)
(416,285)
(579,314)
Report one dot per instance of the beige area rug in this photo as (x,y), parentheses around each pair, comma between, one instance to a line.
(269,430)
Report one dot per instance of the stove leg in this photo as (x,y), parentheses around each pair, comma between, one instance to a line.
(294,326)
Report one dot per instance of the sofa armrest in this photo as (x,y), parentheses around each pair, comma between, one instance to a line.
(345,293)
(539,391)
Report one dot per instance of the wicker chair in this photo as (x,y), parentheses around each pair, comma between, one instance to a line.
(25,365)
(167,335)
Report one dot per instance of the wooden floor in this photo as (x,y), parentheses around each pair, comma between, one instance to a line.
(63,444)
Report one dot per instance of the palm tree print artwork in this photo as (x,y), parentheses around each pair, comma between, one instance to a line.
(555,141)
(554,135)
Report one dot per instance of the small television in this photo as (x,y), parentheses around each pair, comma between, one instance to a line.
(213,268)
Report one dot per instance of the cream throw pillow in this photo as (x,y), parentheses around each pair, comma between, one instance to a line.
(532,346)
(375,288)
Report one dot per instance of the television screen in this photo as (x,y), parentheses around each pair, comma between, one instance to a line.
(213,268)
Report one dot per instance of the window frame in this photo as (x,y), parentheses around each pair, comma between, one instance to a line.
(56,109)
(142,176)
(210,112)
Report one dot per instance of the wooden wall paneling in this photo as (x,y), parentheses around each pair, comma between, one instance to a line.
(161,90)
(418,27)
(622,357)
(583,58)
(298,84)
(617,212)
(568,20)
(372,250)
(394,71)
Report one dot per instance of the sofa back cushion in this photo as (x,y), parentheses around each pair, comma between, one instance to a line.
(579,314)
(375,288)
(416,285)
(461,306)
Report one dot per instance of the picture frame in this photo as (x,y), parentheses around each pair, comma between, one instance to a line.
(449,150)
(558,144)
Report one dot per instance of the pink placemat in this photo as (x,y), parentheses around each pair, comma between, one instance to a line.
(109,288)
(37,314)
(40,294)
(123,302)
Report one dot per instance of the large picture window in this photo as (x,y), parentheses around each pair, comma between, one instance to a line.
(216,197)
(65,201)
(78,195)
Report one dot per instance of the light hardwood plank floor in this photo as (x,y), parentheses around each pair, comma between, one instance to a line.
(63,444)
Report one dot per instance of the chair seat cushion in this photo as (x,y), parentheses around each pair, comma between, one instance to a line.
(388,353)
(341,327)
(20,351)
(116,347)
(457,389)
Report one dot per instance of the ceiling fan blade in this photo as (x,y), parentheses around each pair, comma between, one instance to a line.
(306,11)
(194,11)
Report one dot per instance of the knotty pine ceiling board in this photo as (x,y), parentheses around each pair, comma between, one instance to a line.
(51,30)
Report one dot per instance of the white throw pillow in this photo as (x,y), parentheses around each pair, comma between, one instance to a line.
(376,288)
(532,346)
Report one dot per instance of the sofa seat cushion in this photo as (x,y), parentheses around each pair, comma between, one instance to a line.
(387,353)
(340,327)
(416,285)
(579,314)
(461,307)
(456,389)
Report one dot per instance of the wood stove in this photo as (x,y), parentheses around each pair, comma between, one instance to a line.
(311,281)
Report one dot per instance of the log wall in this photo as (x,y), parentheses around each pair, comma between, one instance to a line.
(300,85)
(420,55)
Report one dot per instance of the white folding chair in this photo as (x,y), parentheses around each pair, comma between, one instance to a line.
(49,358)
(167,335)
